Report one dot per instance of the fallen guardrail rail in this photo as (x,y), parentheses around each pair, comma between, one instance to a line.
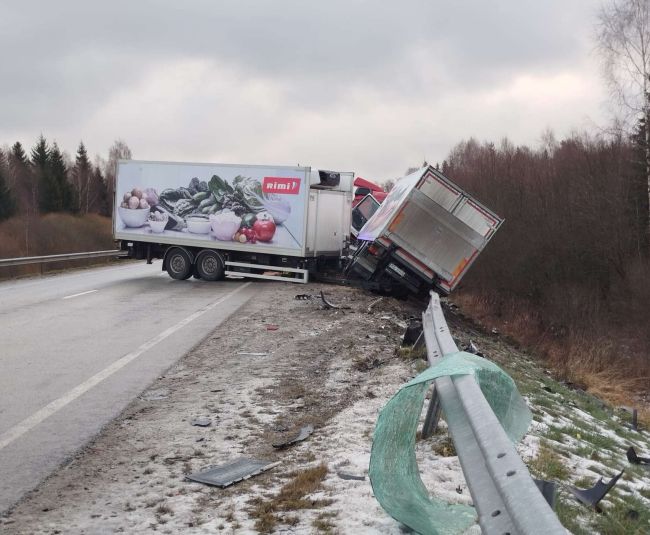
(6,262)
(485,415)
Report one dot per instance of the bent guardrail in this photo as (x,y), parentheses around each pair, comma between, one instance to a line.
(6,262)
(485,415)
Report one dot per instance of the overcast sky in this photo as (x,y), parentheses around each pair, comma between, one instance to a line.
(373,87)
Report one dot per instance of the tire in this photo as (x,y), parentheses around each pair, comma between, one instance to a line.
(210,265)
(178,263)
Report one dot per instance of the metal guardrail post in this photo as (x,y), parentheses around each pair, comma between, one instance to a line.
(433,415)
(6,262)
(505,496)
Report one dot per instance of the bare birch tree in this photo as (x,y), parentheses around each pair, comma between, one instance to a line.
(623,38)
(118,151)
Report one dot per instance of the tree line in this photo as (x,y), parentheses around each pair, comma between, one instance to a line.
(47,180)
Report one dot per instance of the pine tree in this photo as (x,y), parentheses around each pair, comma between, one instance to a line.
(45,191)
(18,153)
(7,201)
(22,178)
(67,200)
(99,200)
(81,178)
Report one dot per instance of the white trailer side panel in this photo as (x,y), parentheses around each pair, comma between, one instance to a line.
(284,189)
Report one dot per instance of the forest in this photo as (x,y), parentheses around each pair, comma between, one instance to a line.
(568,273)
(51,203)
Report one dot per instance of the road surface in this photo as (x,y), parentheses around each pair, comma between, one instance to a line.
(78,347)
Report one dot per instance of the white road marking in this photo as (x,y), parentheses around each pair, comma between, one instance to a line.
(82,293)
(51,408)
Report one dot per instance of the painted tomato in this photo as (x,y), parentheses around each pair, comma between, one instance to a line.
(264,230)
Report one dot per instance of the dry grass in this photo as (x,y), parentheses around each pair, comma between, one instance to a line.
(293,496)
(548,464)
(411,353)
(601,348)
(55,233)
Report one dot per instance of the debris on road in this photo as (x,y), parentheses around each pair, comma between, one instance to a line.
(202,422)
(351,477)
(412,333)
(156,394)
(634,458)
(272,327)
(305,297)
(302,434)
(371,305)
(232,472)
(548,490)
(593,495)
(328,304)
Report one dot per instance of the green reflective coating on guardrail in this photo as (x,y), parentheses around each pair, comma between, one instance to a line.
(393,469)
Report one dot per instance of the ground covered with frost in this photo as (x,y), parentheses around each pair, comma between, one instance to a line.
(281,363)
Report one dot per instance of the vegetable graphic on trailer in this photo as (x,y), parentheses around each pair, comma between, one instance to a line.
(211,205)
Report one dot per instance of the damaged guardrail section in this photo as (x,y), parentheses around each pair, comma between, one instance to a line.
(485,415)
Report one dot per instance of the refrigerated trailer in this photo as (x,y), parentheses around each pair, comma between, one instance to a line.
(213,220)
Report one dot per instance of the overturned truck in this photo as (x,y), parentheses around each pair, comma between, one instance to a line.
(210,221)
(426,234)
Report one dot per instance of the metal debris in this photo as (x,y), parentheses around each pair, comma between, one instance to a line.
(473,348)
(547,488)
(328,304)
(371,305)
(201,422)
(304,297)
(634,458)
(232,472)
(353,477)
(155,394)
(245,354)
(593,495)
(304,432)
(413,332)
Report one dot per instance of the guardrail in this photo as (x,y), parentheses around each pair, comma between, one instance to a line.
(6,262)
(504,494)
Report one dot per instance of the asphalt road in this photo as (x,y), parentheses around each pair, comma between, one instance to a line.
(76,348)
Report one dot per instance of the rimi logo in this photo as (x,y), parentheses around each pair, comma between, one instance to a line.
(281,185)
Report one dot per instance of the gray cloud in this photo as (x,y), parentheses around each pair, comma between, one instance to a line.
(72,69)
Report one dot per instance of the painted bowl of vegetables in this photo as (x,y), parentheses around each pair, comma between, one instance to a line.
(158,221)
(224,225)
(198,225)
(133,217)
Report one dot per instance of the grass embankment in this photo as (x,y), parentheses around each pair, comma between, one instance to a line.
(49,234)
(574,440)
(601,346)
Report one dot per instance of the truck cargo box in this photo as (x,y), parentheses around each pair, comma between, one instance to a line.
(427,232)
(251,215)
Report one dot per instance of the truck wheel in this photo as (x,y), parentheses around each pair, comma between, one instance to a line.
(210,265)
(178,263)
